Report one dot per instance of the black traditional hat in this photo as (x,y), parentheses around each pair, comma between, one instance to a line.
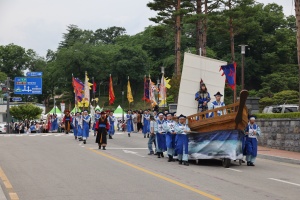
(103,113)
(218,94)
(181,116)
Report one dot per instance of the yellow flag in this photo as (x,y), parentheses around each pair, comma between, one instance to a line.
(129,93)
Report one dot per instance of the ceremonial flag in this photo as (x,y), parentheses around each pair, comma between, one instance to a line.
(94,86)
(146,90)
(153,88)
(87,88)
(129,93)
(163,92)
(78,88)
(230,72)
(111,96)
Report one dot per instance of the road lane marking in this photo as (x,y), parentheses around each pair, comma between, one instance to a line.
(274,179)
(236,170)
(127,148)
(157,175)
(132,152)
(8,186)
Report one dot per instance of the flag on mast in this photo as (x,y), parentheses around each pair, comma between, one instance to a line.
(153,88)
(87,88)
(94,86)
(111,96)
(146,90)
(230,72)
(163,92)
(129,93)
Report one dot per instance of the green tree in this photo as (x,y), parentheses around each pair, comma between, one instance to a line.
(26,111)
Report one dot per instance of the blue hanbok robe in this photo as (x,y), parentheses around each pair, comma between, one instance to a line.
(79,127)
(251,140)
(75,126)
(146,124)
(160,136)
(112,120)
(54,124)
(85,126)
(182,141)
(169,128)
(201,97)
(97,117)
(216,104)
(129,123)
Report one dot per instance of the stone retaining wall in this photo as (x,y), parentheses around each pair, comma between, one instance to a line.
(280,133)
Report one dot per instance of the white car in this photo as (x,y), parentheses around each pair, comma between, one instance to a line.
(286,108)
(2,128)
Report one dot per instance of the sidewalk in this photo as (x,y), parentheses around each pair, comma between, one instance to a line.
(279,155)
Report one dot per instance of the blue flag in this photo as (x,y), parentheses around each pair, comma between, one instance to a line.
(230,72)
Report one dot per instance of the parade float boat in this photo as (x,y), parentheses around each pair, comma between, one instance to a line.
(234,117)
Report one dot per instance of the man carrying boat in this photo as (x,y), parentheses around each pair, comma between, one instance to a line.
(217,104)
(203,97)
(252,131)
(169,128)
(182,140)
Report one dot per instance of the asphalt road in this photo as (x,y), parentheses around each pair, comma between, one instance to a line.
(57,167)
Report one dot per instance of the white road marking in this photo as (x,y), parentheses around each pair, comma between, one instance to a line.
(128,148)
(236,170)
(134,153)
(274,179)
(32,135)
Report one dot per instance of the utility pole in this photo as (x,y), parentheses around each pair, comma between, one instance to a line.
(297,13)
(178,41)
(243,51)
(7,105)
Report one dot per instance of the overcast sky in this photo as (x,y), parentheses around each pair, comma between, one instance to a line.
(39,24)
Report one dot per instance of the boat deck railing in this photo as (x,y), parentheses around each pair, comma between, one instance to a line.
(214,113)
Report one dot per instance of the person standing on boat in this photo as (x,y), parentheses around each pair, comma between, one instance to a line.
(182,141)
(217,104)
(111,119)
(160,135)
(169,128)
(252,132)
(203,97)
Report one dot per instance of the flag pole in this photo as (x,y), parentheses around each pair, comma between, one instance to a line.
(144,91)
(94,92)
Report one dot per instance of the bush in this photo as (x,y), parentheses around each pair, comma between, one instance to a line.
(277,115)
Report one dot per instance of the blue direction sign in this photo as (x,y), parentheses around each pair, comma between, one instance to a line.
(39,74)
(28,85)
(16,99)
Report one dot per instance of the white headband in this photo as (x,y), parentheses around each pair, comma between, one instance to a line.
(252,118)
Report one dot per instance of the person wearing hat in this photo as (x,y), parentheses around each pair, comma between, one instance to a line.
(146,123)
(169,128)
(111,120)
(160,135)
(182,140)
(129,122)
(76,124)
(96,117)
(67,121)
(252,131)
(202,97)
(79,126)
(152,135)
(85,126)
(217,104)
(101,130)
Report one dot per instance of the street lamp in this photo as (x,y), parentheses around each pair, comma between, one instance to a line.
(123,106)
(243,51)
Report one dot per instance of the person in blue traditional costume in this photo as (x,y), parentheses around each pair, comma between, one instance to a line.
(217,104)
(129,122)
(111,120)
(85,126)
(96,116)
(152,135)
(79,128)
(252,131)
(160,135)
(75,125)
(169,128)
(101,129)
(54,123)
(202,97)
(146,124)
(182,141)
(67,120)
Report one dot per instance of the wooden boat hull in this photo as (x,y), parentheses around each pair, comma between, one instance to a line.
(234,117)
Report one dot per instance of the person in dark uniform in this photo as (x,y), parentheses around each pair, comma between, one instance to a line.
(101,130)
(67,121)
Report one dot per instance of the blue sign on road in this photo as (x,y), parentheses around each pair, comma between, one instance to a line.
(28,85)
(16,99)
(34,74)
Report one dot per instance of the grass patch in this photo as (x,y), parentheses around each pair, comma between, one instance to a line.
(277,115)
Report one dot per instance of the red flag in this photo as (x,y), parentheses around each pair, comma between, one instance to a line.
(94,87)
(111,96)
(146,90)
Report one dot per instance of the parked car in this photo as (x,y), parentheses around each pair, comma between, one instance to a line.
(286,108)
(3,128)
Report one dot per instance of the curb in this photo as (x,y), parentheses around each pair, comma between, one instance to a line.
(279,159)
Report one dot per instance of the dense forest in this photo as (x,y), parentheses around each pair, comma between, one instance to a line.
(217,27)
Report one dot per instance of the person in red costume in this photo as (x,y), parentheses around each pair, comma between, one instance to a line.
(67,121)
